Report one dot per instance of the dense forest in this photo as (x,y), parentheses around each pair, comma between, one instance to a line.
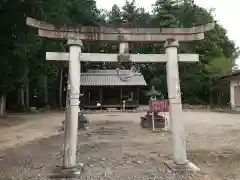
(27,79)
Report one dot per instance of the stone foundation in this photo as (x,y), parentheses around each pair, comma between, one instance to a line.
(146,121)
(65,173)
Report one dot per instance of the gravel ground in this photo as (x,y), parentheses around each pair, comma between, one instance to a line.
(116,147)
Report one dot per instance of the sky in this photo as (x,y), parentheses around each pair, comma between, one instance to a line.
(226,13)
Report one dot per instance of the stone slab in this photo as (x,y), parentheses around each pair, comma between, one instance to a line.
(179,172)
(141,38)
(120,30)
(139,58)
(65,173)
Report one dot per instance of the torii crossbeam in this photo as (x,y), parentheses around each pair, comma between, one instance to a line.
(137,58)
(120,34)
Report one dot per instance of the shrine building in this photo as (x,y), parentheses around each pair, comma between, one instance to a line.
(109,88)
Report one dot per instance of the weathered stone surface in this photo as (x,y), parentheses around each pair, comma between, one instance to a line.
(138,58)
(109,30)
(146,121)
(83,121)
(147,38)
(123,58)
(120,34)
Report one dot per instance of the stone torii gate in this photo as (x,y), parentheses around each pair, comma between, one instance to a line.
(171,37)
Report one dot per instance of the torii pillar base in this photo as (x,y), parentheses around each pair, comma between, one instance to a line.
(179,171)
(65,173)
(175,171)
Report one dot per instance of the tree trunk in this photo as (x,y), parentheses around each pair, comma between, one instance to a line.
(46,92)
(2,105)
(211,98)
(61,87)
(27,94)
(22,99)
(218,98)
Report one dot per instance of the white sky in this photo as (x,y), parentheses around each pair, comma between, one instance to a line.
(226,12)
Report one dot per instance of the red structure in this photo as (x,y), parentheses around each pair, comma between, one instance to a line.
(158,106)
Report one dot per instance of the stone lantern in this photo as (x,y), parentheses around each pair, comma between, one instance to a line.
(153,93)
(147,121)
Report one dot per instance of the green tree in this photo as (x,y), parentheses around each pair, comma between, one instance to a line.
(115,16)
(26,77)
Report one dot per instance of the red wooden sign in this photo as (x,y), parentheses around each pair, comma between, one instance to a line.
(158,105)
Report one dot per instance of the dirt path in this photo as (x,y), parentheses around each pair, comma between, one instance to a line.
(33,127)
(116,147)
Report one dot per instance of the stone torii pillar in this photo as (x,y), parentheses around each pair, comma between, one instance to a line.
(69,169)
(175,105)
(72,125)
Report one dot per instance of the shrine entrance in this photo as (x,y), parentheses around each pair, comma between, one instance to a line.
(111,97)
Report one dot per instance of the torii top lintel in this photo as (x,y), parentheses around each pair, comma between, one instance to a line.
(120,34)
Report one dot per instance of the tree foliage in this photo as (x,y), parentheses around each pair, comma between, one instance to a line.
(22,58)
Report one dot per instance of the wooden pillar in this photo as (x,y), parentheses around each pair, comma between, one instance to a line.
(121,95)
(221,99)
(89,95)
(218,98)
(232,94)
(101,97)
(211,98)
(138,96)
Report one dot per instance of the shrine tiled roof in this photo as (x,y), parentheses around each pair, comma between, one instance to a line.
(112,78)
(230,75)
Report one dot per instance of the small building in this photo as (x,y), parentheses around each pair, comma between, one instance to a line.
(109,88)
(233,80)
